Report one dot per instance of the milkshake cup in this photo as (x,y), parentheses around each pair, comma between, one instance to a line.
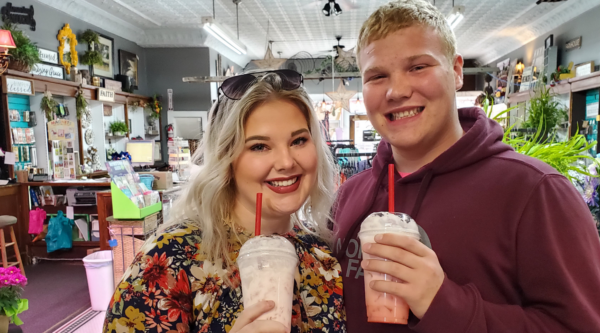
(267,268)
(383,307)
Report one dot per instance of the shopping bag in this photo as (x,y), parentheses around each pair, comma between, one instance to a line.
(36,221)
(60,233)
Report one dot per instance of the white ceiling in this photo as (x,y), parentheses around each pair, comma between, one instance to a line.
(491,28)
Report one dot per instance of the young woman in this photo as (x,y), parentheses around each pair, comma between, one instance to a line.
(263,137)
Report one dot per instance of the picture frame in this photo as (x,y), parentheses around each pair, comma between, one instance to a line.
(549,41)
(106,49)
(128,66)
(584,69)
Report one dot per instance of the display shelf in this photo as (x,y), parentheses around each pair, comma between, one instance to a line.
(76,209)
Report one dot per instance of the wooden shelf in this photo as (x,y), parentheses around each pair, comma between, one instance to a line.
(42,243)
(76,209)
(70,88)
(68,184)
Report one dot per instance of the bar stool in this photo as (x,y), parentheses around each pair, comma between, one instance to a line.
(7,221)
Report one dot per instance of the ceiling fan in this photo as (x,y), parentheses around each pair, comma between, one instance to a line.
(333,7)
(540,1)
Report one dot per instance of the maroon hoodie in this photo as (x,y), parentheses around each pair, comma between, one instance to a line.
(517,243)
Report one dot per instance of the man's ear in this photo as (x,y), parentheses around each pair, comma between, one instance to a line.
(458,71)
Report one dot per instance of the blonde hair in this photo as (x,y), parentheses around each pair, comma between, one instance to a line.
(208,199)
(401,14)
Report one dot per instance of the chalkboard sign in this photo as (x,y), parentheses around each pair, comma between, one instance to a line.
(18,86)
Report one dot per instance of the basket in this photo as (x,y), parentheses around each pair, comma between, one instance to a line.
(19,66)
(147,179)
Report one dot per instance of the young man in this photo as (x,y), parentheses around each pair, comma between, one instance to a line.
(515,248)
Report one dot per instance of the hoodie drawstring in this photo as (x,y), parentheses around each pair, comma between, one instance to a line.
(421,195)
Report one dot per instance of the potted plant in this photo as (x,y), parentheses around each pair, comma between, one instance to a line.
(544,113)
(90,57)
(118,128)
(26,54)
(11,303)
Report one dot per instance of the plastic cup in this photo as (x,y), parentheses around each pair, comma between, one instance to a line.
(383,307)
(267,268)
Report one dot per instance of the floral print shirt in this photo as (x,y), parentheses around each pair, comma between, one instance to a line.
(171,288)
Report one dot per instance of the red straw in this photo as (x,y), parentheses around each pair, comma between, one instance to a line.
(391,188)
(258,212)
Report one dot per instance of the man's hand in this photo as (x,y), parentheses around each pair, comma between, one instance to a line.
(413,263)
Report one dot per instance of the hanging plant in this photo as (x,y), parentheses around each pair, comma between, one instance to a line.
(90,57)
(80,103)
(154,107)
(48,105)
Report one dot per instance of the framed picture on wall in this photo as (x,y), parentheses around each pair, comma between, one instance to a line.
(105,47)
(128,66)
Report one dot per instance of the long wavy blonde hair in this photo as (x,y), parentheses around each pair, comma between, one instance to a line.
(208,199)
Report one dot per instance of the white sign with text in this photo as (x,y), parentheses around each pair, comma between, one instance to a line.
(48,56)
(16,86)
(54,72)
(106,95)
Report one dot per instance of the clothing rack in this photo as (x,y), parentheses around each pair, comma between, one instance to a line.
(355,154)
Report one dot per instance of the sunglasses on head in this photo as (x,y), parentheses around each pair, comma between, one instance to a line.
(235,87)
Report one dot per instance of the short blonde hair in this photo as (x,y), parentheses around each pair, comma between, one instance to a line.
(401,14)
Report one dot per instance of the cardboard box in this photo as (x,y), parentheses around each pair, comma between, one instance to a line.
(163,180)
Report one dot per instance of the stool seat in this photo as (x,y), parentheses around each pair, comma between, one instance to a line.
(6,220)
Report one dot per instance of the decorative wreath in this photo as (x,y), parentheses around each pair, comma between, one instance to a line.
(66,32)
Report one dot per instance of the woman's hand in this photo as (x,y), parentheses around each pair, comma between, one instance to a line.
(247,323)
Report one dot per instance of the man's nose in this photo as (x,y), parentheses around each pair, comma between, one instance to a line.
(399,88)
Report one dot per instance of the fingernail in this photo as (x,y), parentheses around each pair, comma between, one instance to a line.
(378,237)
(365,263)
(371,284)
(367,246)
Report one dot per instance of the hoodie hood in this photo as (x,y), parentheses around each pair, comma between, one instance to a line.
(482,138)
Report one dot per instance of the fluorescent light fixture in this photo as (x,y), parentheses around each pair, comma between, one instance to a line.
(211,27)
(456,16)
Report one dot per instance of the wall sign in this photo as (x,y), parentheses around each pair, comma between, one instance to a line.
(19,15)
(573,44)
(54,72)
(48,56)
(106,95)
(19,86)
(584,69)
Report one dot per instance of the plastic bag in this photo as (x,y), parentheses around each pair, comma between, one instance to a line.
(36,221)
(60,233)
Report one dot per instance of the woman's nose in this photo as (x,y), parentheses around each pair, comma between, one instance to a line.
(284,160)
